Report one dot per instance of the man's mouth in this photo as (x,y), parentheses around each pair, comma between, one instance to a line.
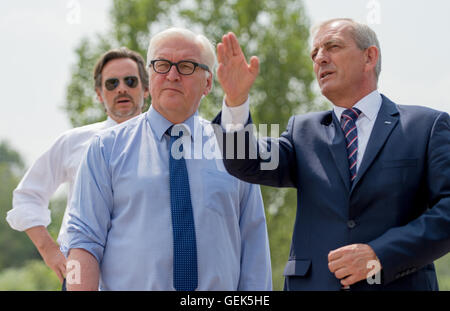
(172,89)
(325,74)
(123,101)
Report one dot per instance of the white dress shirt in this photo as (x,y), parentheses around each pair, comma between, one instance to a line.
(56,166)
(234,119)
(369,107)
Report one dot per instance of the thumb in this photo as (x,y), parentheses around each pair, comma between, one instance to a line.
(254,65)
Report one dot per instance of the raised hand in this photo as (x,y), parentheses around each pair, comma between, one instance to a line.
(233,72)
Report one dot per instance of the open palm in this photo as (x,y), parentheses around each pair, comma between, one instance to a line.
(233,72)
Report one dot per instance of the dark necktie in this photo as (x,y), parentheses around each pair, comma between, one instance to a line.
(185,275)
(348,124)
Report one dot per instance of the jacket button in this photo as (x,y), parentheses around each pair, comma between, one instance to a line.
(351,224)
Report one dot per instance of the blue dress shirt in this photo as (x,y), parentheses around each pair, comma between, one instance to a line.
(120,211)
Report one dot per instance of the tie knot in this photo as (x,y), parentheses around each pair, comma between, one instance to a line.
(178,130)
(351,114)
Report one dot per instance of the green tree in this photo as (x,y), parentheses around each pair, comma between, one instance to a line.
(33,275)
(15,247)
(443,272)
(21,267)
(276,31)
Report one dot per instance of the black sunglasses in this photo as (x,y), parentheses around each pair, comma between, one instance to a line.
(130,81)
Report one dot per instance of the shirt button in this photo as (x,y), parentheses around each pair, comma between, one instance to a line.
(351,224)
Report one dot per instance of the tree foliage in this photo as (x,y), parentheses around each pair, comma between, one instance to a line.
(15,247)
(33,275)
(21,267)
(276,31)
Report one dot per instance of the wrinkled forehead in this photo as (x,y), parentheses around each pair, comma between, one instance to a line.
(334,31)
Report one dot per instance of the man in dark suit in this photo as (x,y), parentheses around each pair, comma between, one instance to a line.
(373,177)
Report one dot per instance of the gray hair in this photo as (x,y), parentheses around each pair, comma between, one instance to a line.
(363,36)
(208,54)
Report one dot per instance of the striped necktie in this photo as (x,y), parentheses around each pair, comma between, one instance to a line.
(185,274)
(348,124)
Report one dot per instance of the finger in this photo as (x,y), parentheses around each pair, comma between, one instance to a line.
(220,53)
(350,280)
(342,273)
(335,265)
(59,275)
(227,46)
(254,65)
(336,254)
(235,47)
(220,72)
(62,268)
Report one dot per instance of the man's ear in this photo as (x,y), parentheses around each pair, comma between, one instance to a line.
(100,97)
(209,82)
(372,55)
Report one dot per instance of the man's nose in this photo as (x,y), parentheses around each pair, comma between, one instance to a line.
(122,88)
(321,57)
(173,74)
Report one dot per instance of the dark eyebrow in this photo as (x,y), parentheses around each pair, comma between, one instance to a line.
(328,44)
(333,42)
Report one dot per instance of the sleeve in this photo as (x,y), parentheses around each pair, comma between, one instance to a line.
(91,206)
(267,161)
(256,273)
(234,118)
(425,239)
(32,195)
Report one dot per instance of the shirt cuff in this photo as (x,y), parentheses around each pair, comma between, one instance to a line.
(26,217)
(234,118)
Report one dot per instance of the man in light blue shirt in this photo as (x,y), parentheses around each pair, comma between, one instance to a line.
(121,227)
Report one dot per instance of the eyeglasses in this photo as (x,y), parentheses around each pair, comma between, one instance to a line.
(184,67)
(130,81)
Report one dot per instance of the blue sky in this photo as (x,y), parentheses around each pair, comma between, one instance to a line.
(39,38)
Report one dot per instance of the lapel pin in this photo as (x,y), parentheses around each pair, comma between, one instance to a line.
(387,122)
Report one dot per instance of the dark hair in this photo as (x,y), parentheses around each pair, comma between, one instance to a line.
(122,52)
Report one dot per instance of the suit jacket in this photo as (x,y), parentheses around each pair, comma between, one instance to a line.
(399,203)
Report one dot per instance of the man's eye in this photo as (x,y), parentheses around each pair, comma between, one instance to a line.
(185,66)
(162,66)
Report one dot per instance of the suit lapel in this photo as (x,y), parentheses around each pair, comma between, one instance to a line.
(336,144)
(385,122)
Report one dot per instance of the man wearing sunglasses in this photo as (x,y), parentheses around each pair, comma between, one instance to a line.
(121,83)
(148,212)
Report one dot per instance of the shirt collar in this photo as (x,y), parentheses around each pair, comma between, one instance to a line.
(109,122)
(159,124)
(369,106)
